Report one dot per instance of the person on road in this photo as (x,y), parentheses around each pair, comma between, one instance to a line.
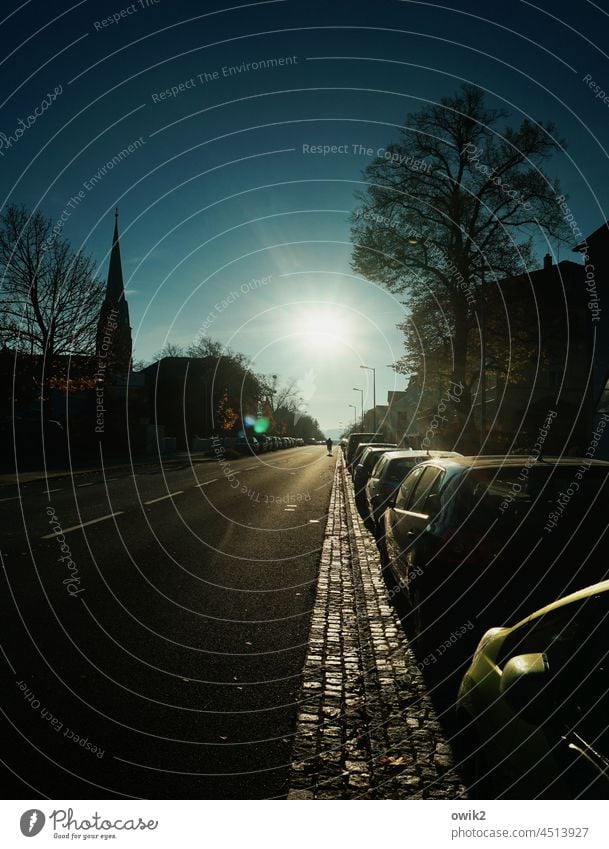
(329,446)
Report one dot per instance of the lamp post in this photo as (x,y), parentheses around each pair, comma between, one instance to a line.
(373,370)
(357,389)
(354,414)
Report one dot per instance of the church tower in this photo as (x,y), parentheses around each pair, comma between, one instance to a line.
(114,346)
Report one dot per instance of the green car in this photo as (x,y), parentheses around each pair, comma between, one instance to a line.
(533,707)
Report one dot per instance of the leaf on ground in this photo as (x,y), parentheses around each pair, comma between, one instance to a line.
(389,760)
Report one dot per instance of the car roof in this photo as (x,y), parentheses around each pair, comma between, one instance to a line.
(494,461)
(499,461)
(428,455)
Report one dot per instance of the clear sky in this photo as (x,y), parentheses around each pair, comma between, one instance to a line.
(229,226)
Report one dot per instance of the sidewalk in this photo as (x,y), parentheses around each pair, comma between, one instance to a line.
(366,727)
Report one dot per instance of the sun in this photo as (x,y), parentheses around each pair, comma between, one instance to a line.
(322,329)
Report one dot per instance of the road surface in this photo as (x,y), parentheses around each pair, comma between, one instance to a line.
(155,626)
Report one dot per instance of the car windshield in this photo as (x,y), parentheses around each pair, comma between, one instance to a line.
(398,469)
(370,458)
(379,466)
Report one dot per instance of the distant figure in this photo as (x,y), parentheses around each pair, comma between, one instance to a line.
(329,446)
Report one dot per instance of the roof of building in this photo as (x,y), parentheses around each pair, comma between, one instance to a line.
(602,233)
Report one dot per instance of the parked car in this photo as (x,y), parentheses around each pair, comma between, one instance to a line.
(387,475)
(364,464)
(353,441)
(357,454)
(490,539)
(264,441)
(247,445)
(533,705)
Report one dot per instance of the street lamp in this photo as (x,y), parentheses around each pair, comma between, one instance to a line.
(369,368)
(357,389)
(354,414)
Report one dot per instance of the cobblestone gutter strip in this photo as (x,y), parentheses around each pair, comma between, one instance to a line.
(366,726)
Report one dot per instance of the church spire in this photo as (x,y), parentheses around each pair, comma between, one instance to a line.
(113,328)
(115,288)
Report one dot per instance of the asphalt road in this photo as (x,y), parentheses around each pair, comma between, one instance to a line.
(162,657)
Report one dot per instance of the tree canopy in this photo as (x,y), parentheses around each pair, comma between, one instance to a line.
(449,209)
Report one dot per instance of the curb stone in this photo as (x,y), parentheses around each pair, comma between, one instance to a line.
(366,726)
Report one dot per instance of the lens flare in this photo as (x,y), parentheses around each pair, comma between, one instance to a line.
(261,425)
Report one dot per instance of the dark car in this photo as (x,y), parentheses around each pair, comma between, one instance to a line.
(265,442)
(365,463)
(387,475)
(361,447)
(353,441)
(247,445)
(488,540)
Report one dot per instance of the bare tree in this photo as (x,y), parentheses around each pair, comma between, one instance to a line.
(170,349)
(49,295)
(450,208)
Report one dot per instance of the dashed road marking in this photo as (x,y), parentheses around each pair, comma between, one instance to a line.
(164,497)
(213,480)
(82,525)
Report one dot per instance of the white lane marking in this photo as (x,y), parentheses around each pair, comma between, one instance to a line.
(12,498)
(163,497)
(314,521)
(249,468)
(48,491)
(82,525)
(80,485)
(290,509)
(213,480)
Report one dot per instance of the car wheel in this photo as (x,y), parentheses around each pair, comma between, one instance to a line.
(418,618)
(423,623)
(469,759)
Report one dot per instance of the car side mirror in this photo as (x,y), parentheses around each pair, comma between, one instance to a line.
(522,682)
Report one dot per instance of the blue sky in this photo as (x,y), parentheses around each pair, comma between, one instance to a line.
(218,192)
